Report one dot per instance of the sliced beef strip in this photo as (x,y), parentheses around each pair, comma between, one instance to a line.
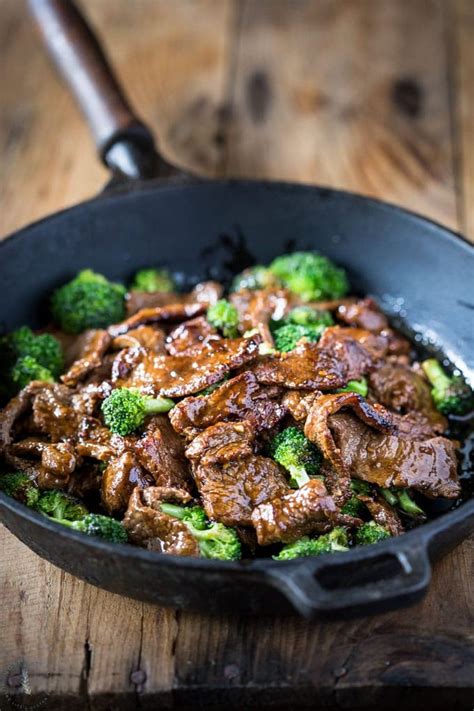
(150,337)
(95,441)
(122,475)
(358,348)
(230,491)
(149,527)
(190,335)
(388,460)
(299,402)
(177,376)
(364,313)
(317,427)
(296,514)
(307,367)
(241,398)
(159,314)
(257,308)
(50,465)
(160,451)
(93,345)
(17,408)
(54,414)
(222,442)
(206,292)
(383,514)
(400,389)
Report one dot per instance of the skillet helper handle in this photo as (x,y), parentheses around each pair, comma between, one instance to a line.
(379,582)
(124,143)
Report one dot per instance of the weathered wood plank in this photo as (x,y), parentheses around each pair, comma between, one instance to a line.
(350,94)
(462,33)
(347,94)
(172,58)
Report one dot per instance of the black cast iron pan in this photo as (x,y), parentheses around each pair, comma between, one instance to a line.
(416,269)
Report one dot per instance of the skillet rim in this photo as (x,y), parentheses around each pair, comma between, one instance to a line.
(151,186)
(423,534)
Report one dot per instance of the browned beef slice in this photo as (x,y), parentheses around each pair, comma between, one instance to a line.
(177,376)
(53,413)
(363,314)
(160,452)
(307,367)
(231,491)
(150,337)
(383,513)
(96,441)
(159,314)
(297,513)
(93,346)
(149,527)
(50,465)
(241,398)
(122,475)
(206,292)
(299,402)
(221,443)
(389,460)
(400,389)
(257,308)
(190,335)
(360,350)
(17,408)
(317,427)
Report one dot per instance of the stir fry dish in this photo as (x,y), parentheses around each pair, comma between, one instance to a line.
(283,418)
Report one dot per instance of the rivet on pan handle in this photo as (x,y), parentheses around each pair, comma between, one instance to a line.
(123,141)
(321,586)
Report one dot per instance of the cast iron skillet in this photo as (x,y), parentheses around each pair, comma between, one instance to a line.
(415,268)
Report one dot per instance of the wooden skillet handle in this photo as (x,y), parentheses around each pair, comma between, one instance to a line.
(124,143)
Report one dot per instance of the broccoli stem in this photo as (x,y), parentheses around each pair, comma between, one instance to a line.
(158,404)
(435,373)
(408,505)
(356,386)
(173,510)
(389,496)
(298,477)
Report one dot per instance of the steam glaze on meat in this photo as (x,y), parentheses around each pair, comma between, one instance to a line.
(215,446)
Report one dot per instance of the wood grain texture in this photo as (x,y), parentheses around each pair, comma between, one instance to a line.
(374,96)
(461,37)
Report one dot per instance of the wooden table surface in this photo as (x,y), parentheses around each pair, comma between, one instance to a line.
(375,96)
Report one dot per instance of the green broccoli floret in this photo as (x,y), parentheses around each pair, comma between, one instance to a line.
(402,499)
(27,369)
(360,487)
(43,347)
(306,316)
(257,277)
(369,533)
(332,542)
(287,337)
(88,301)
(20,487)
(224,316)
(151,280)
(296,454)
(100,526)
(310,275)
(354,507)
(125,409)
(356,386)
(451,395)
(214,539)
(59,505)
